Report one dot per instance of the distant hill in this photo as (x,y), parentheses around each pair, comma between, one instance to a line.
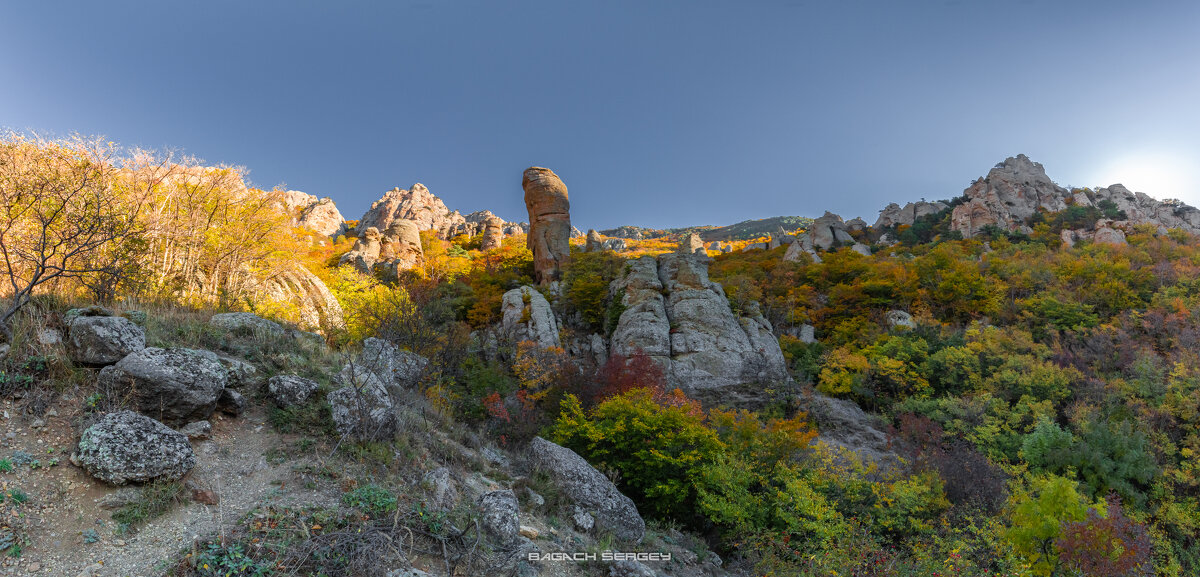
(747,229)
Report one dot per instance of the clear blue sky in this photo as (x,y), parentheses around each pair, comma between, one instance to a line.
(655,113)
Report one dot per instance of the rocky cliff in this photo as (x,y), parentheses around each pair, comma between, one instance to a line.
(677,316)
(428,212)
(319,215)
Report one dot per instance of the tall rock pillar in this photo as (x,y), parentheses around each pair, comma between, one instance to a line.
(549,222)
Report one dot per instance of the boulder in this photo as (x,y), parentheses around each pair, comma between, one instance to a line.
(88,311)
(843,425)
(246,323)
(319,215)
(365,252)
(829,231)
(594,242)
(363,410)
(400,246)
(898,318)
(527,316)
(691,244)
(396,369)
(176,385)
(499,515)
(125,447)
(290,390)
(1107,235)
(197,430)
(95,340)
(615,244)
(802,245)
(894,215)
(588,489)
(861,248)
(549,222)
(493,233)
(307,294)
(440,485)
(231,403)
(138,317)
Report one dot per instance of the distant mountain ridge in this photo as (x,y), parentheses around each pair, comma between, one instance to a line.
(744,230)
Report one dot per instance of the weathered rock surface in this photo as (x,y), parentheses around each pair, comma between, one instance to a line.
(843,425)
(898,318)
(527,316)
(247,322)
(549,222)
(895,215)
(363,409)
(96,340)
(319,215)
(400,247)
(416,204)
(440,485)
(691,244)
(594,242)
(499,515)
(88,311)
(615,244)
(396,369)
(678,317)
(177,386)
(290,390)
(365,252)
(588,489)
(829,231)
(307,294)
(125,447)
(493,233)
(861,248)
(231,403)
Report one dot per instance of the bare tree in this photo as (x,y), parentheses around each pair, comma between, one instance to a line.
(58,212)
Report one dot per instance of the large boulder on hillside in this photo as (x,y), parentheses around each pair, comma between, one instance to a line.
(247,323)
(125,447)
(395,368)
(829,231)
(290,390)
(589,489)
(549,222)
(363,409)
(365,252)
(177,386)
(96,340)
(499,513)
(844,427)
(526,316)
(691,244)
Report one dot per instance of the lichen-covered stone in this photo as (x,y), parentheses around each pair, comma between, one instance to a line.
(588,489)
(101,340)
(290,390)
(176,386)
(125,447)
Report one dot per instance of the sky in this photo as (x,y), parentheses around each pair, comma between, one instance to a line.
(655,113)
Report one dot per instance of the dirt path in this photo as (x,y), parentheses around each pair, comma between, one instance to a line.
(70,532)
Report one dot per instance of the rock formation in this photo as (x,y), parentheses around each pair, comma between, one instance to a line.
(829,231)
(594,242)
(691,244)
(319,215)
(493,233)
(290,390)
(894,215)
(125,447)
(549,222)
(97,340)
(527,316)
(682,320)
(365,252)
(428,212)
(176,386)
(588,489)
(400,245)
(802,245)
(315,304)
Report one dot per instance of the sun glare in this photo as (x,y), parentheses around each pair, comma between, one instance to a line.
(1158,174)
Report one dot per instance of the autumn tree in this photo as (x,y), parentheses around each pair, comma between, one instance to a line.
(61,215)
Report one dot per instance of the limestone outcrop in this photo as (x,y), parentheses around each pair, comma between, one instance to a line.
(400,245)
(691,244)
(493,233)
(527,316)
(594,242)
(315,304)
(549,222)
(829,231)
(895,215)
(588,489)
(176,386)
(101,340)
(802,245)
(681,319)
(319,215)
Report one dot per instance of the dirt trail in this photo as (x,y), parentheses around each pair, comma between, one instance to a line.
(243,464)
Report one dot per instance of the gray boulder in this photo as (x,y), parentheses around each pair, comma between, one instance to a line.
(588,489)
(899,318)
(246,322)
(527,316)
(198,430)
(289,390)
(125,447)
(395,368)
(231,402)
(89,311)
(845,427)
(442,494)
(499,513)
(363,409)
(176,385)
(861,248)
(98,340)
